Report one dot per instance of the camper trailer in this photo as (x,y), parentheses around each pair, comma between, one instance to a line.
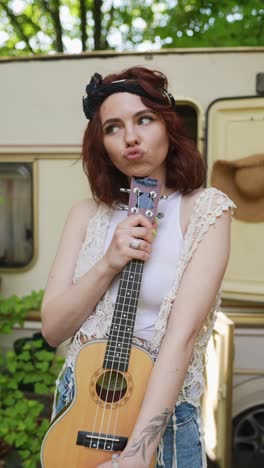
(220,95)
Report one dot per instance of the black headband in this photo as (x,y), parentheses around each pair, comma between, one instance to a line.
(97,92)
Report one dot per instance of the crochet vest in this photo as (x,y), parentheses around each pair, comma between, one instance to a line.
(208,206)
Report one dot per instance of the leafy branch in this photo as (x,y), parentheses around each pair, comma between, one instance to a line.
(18,24)
(14,310)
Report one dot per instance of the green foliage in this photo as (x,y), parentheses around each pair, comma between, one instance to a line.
(34,365)
(27,380)
(21,423)
(14,310)
(42,27)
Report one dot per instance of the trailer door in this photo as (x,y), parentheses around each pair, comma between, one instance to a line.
(235,129)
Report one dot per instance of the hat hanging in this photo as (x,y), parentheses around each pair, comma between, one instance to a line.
(243,181)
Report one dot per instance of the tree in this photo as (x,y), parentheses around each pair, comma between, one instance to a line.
(46,26)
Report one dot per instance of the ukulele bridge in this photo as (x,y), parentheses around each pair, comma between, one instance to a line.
(101,441)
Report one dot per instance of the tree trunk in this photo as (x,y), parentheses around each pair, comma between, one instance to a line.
(97,16)
(53,8)
(83,12)
(57,26)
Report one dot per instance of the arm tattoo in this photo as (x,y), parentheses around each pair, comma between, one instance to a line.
(154,429)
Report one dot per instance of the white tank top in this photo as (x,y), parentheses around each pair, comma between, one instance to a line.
(159,271)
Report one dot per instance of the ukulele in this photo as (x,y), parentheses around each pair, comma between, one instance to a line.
(110,376)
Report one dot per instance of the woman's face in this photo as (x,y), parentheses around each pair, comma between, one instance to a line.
(135,138)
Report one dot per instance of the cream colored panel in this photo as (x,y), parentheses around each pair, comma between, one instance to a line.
(236,130)
(252,129)
(48,95)
(217,400)
(61,184)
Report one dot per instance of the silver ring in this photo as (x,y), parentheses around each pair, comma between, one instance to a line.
(135,244)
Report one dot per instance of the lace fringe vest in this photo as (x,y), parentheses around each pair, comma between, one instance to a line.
(208,206)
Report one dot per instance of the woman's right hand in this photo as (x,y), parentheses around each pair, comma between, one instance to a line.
(134,227)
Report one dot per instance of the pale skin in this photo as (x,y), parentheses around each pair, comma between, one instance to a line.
(128,123)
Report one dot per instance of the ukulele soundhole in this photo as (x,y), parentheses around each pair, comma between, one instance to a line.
(111,386)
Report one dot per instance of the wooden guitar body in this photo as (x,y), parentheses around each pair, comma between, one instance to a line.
(94,420)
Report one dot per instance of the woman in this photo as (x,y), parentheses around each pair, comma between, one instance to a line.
(135,131)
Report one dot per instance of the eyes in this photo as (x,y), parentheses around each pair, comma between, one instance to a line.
(115,127)
(145,119)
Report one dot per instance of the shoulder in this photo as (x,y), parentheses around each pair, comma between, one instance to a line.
(209,202)
(80,215)
(84,208)
(211,198)
(215,202)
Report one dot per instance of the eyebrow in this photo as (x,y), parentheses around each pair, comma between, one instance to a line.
(117,119)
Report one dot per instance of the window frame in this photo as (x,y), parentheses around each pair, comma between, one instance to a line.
(200,118)
(20,159)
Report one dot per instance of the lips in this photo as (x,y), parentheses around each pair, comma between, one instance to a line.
(133,153)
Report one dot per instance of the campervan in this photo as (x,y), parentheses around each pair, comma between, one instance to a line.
(220,95)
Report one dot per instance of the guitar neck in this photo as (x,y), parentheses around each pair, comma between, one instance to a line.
(123,322)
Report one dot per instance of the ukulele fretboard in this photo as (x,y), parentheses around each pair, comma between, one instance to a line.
(123,322)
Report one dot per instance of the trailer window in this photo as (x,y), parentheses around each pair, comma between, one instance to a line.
(16,215)
(190,118)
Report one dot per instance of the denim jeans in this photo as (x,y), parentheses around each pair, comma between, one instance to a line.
(188,444)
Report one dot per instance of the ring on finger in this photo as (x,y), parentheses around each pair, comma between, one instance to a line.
(134,244)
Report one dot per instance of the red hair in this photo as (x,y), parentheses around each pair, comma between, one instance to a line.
(185,166)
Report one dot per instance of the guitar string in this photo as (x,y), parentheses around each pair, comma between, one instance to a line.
(120,355)
(106,397)
(124,358)
(105,401)
(100,397)
(97,409)
(117,374)
(128,351)
(98,405)
(114,353)
(115,349)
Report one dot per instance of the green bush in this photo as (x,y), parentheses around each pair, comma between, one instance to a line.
(27,381)
(14,310)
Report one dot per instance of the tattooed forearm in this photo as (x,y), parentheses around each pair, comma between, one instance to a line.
(152,431)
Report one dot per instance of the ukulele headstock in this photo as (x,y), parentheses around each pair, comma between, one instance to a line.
(144,195)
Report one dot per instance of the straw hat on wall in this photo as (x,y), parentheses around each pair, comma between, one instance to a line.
(243,181)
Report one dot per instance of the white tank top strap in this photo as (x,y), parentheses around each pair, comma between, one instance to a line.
(172,211)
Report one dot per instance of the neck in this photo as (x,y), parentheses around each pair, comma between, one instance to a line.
(167,191)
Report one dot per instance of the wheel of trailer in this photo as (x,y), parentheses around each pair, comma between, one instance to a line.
(248,439)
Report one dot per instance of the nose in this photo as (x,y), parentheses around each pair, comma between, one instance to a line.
(131,138)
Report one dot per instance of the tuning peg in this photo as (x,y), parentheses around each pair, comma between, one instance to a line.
(122,207)
(127,190)
(137,191)
(149,213)
(164,197)
(160,215)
